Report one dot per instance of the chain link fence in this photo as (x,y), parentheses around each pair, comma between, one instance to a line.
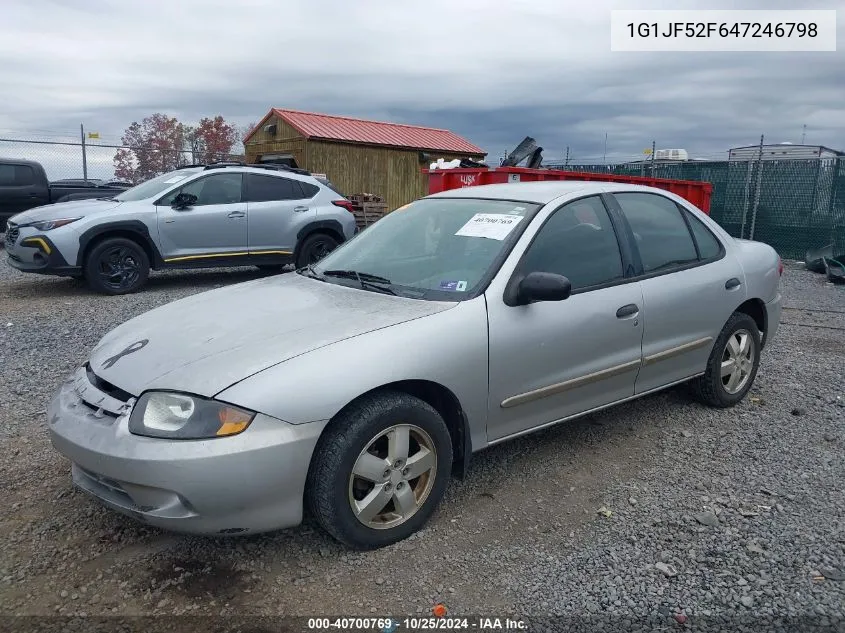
(67,158)
(793,205)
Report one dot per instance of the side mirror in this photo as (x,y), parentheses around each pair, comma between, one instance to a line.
(538,286)
(183,201)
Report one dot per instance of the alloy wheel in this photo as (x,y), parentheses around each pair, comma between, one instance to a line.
(119,268)
(393,476)
(318,251)
(737,361)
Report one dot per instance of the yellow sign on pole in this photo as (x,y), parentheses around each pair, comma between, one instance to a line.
(93,135)
(647,151)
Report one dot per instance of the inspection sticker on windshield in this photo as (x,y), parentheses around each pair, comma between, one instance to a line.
(496,226)
(459,286)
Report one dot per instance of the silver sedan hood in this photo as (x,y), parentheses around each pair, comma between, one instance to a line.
(60,210)
(205,343)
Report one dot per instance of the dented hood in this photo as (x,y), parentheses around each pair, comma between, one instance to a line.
(205,343)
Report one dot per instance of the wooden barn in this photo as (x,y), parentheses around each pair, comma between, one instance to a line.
(358,156)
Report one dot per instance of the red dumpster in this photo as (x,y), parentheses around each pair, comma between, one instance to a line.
(444,179)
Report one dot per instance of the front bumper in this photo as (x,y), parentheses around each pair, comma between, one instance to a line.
(247,483)
(36,253)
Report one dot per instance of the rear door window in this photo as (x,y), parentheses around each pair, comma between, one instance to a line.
(16,175)
(272,188)
(661,234)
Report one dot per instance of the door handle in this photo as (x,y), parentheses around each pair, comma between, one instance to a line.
(300,209)
(732,283)
(626,311)
(236,214)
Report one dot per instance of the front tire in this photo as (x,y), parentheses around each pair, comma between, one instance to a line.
(732,365)
(380,470)
(117,266)
(271,269)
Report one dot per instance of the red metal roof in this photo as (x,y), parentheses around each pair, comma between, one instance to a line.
(341,128)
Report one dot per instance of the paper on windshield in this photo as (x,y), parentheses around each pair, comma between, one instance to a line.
(495,226)
(170,181)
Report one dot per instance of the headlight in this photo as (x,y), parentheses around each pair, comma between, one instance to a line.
(180,416)
(48,225)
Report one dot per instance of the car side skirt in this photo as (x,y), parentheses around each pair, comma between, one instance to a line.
(560,387)
(222,260)
(589,411)
(677,351)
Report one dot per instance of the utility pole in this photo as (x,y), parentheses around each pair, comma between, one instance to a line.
(566,164)
(604,157)
(803,133)
(84,157)
(653,152)
(757,189)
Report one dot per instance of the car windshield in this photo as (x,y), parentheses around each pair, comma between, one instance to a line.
(435,248)
(154,186)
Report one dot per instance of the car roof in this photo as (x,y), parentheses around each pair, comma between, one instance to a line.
(20,161)
(540,192)
(253,169)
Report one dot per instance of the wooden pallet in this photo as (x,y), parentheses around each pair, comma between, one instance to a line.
(365,197)
(368,213)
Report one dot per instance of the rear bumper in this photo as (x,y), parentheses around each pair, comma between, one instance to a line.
(773,310)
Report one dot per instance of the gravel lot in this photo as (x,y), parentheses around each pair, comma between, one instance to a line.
(657,509)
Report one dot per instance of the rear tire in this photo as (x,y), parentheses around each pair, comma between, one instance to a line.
(732,366)
(397,436)
(313,248)
(117,266)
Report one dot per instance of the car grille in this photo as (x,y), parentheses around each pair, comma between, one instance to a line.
(100,396)
(106,387)
(12,233)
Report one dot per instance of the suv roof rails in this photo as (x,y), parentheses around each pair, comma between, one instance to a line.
(279,167)
(270,166)
(224,164)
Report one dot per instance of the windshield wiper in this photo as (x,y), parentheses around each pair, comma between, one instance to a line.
(366,280)
(309,271)
(109,199)
(354,274)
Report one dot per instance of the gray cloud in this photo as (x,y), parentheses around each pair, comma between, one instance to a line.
(492,72)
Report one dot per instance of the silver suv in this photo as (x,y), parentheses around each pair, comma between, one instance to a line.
(225,214)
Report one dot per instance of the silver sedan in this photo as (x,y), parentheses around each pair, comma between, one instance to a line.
(355,388)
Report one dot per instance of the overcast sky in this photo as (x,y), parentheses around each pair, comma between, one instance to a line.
(491,71)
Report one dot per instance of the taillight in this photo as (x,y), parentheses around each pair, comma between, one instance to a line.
(780,267)
(345,204)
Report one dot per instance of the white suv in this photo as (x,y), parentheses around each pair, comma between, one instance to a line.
(225,214)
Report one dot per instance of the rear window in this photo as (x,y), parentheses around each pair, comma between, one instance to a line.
(271,188)
(328,183)
(16,175)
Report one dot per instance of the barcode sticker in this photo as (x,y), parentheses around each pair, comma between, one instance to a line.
(495,226)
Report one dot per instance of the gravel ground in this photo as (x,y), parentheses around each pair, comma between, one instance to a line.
(656,515)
